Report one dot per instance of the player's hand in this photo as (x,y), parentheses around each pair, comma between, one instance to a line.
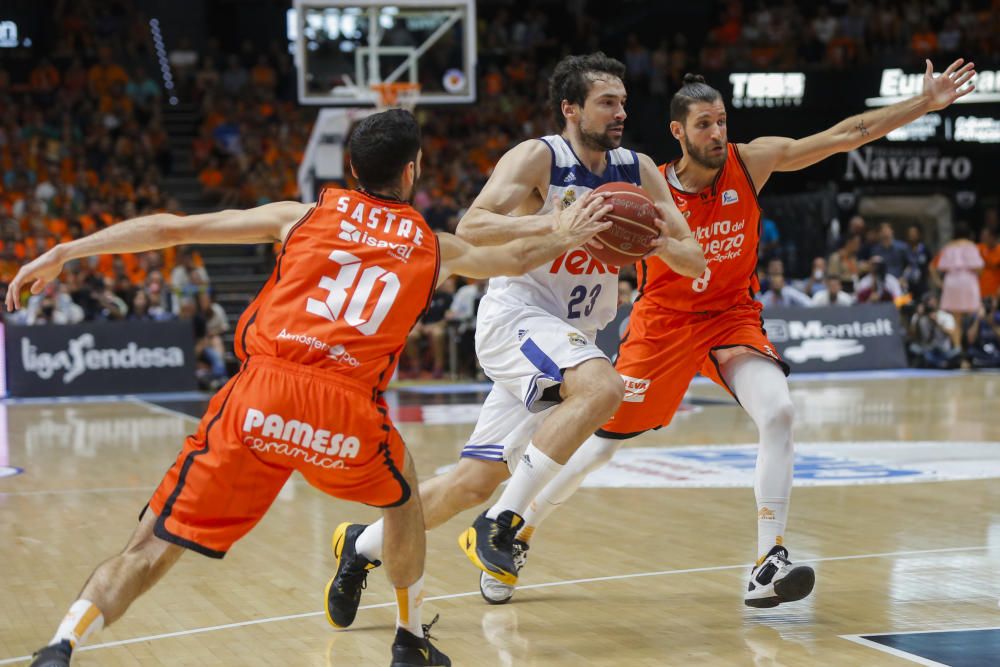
(583,219)
(38,272)
(953,83)
(666,232)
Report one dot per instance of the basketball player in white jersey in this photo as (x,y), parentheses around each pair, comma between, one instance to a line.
(535,333)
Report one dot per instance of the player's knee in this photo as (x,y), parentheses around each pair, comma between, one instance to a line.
(607,393)
(779,418)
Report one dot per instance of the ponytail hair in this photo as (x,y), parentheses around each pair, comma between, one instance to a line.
(694,89)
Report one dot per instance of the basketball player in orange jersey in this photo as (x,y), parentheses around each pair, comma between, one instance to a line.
(535,333)
(712,324)
(318,346)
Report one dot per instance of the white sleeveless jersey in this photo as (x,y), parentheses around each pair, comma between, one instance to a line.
(574,287)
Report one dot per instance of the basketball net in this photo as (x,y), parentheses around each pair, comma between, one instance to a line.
(401,94)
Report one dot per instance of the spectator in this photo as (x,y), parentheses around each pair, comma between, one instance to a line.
(989,249)
(894,254)
(924,42)
(431,331)
(879,286)
(780,294)
(983,336)
(844,262)
(143,90)
(210,322)
(770,239)
(461,318)
(960,262)
(815,282)
(53,306)
(105,73)
(918,265)
(833,294)
(188,277)
(934,336)
(183,60)
(235,78)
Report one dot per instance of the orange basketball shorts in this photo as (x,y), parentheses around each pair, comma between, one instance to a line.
(272,418)
(664,349)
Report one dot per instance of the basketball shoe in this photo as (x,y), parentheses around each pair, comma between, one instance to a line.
(53,655)
(489,544)
(775,580)
(495,591)
(343,592)
(409,650)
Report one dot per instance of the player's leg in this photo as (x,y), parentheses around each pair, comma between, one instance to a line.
(760,386)
(762,390)
(467,485)
(504,423)
(657,360)
(590,393)
(405,546)
(109,591)
(502,430)
(209,498)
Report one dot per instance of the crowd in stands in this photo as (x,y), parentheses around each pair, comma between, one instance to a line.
(947,298)
(82,146)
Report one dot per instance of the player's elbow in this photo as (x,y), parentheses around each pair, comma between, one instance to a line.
(468,228)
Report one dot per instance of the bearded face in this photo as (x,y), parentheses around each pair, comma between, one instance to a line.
(711,156)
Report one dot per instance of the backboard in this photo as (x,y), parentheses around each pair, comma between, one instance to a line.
(344,46)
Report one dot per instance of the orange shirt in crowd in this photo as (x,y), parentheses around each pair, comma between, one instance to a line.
(210,178)
(924,43)
(989,279)
(43,78)
(101,77)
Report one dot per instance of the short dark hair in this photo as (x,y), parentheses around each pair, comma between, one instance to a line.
(694,89)
(382,145)
(570,82)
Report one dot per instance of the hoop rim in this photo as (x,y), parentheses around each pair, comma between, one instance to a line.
(396,93)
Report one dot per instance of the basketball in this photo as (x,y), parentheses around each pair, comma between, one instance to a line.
(634,229)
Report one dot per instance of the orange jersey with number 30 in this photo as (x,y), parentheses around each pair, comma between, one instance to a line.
(353,277)
(725,220)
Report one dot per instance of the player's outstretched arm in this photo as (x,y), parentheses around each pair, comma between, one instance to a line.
(567,229)
(766,155)
(678,247)
(264,224)
(494,217)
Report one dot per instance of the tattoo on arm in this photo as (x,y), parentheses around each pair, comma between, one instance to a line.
(861,128)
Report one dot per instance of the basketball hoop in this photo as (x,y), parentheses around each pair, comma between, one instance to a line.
(402,94)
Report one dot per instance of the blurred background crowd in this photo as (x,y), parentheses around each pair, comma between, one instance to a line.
(90,135)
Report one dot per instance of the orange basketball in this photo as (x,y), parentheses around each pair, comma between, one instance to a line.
(634,229)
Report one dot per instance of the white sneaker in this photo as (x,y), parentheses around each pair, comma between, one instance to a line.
(776,580)
(495,591)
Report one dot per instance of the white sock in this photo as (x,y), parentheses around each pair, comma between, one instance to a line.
(772,515)
(82,620)
(408,603)
(369,543)
(763,392)
(593,453)
(533,472)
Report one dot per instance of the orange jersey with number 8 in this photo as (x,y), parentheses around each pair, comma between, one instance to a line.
(725,220)
(353,277)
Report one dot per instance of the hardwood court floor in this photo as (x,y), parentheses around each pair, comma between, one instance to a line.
(621,576)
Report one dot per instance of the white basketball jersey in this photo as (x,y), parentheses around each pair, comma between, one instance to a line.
(574,287)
